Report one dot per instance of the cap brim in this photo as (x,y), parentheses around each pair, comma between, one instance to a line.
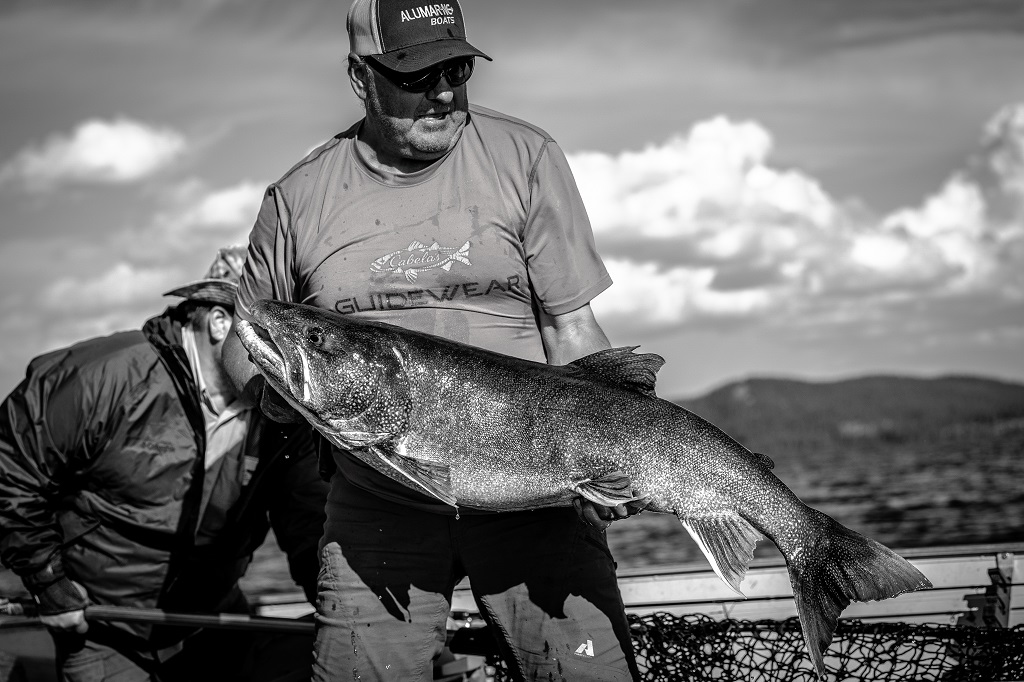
(215,291)
(418,57)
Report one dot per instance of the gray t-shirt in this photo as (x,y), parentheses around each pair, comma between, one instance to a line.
(463,249)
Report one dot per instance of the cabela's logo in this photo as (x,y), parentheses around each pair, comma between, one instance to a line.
(418,256)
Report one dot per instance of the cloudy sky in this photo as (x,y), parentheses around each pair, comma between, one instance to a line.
(807,188)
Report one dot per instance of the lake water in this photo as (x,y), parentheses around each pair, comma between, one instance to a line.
(965,486)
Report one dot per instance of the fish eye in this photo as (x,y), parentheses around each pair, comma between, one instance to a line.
(315,336)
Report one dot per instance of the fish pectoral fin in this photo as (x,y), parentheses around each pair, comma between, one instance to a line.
(432,477)
(608,490)
(623,368)
(728,542)
(356,439)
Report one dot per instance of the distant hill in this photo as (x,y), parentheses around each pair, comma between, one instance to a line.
(910,462)
(786,418)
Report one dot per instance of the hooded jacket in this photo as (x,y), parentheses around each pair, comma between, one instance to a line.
(102,448)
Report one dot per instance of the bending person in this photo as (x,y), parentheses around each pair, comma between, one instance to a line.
(132,474)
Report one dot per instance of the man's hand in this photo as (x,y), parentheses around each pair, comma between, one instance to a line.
(70,621)
(601,517)
(274,407)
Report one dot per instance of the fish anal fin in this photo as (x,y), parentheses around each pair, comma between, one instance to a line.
(728,542)
(609,490)
(624,368)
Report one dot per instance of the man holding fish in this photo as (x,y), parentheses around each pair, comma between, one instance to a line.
(455,220)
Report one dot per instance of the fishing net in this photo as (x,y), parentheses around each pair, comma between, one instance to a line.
(695,647)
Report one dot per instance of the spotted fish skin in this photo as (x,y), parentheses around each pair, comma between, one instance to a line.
(484,430)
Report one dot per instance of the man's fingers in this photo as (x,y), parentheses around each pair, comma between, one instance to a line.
(276,408)
(592,513)
(70,621)
(600,516)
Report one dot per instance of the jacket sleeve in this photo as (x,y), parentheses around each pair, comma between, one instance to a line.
(297,509)
(49,431)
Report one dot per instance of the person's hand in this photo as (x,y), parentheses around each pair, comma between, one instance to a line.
(70,621)
(601,517)
(276,408)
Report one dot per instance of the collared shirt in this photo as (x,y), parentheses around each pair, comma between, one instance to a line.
(227,470)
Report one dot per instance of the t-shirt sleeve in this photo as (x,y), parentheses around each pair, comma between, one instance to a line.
(566,272)
(269,270)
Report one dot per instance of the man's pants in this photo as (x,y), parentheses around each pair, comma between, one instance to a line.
(544,582)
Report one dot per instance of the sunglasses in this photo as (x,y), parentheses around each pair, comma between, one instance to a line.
(455,72)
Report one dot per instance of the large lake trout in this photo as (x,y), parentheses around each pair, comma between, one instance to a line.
(480,429)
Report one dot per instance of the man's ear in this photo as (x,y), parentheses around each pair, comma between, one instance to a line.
(218,323)
(357,75)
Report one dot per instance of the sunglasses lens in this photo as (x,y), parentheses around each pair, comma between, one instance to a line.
(455,72)
(420,81)
(459,72)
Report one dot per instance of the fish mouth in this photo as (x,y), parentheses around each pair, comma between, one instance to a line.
(265,354)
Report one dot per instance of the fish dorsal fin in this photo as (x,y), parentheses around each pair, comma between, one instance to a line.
(607,490)
(624,368)
(728,542)
(764,459)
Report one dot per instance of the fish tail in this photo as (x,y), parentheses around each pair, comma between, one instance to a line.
(462,255)
(837,567)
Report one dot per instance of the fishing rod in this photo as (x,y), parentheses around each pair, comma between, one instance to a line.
(464,640)
(130,614)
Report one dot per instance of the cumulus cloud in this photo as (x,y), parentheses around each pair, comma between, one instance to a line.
(719,168)
(704,226)
(96,151)
(121,286)
(208,215)
(669,296)
(128,273)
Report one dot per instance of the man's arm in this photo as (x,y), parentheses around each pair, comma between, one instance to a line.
(42,442)
(568,337)
(571,335)
(241,371)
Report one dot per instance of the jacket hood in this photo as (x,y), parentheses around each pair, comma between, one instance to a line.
(164,333)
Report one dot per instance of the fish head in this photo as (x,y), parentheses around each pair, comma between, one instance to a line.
(342,375)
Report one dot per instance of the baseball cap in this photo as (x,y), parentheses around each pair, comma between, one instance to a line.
(408,35)
(220,282)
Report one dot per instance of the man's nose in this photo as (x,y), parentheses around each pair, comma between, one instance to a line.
(442,92)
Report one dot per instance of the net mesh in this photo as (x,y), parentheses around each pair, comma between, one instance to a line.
(695,647)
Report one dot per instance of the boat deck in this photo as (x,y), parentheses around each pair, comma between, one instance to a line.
(973,586)
(958,574)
